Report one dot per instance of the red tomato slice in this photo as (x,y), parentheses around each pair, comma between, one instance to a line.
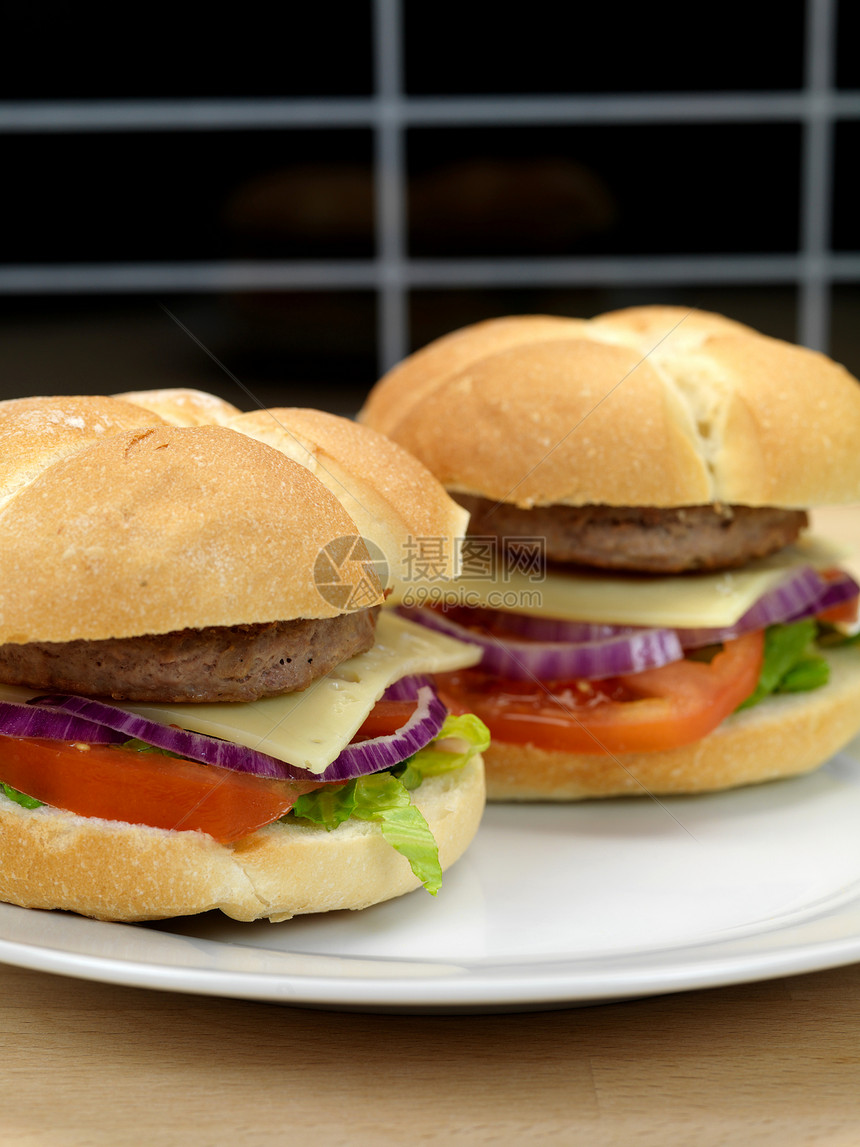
(145,788)
(846,610)
(657,709)
(385,718)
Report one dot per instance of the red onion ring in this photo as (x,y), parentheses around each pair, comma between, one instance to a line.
(354,761)
(792,600)
(839,589)
(32,721)
(611,656)
(554,648)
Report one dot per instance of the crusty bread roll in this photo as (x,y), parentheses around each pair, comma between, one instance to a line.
(785,735)
(655,408)
(150,530)
(113,871)
(652,406)
(115,522)
(393,499)
(181,406)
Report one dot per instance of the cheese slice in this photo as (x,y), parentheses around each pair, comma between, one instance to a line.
(309,729)
(679,601)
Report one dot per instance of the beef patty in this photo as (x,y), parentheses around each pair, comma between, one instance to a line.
(222,663)
(644,539)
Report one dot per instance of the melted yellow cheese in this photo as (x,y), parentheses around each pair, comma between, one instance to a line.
(309,729)
(679,601)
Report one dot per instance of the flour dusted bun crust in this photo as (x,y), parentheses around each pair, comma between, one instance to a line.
(113,871)
(654,406)
(390,496)
(156,529)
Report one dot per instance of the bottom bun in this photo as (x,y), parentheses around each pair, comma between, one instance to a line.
(113,871)
(787,734)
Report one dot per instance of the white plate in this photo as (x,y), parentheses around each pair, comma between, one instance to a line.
(552,906)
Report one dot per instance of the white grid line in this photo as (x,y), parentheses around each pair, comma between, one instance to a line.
(817,160)
(390,184)
(422,111)
(442,274)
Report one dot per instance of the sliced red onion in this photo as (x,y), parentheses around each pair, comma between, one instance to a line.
(406,689)
(355,760)
(551,660)
(32,721)
(839,589)
(791,600)
(382,752)
(557,629)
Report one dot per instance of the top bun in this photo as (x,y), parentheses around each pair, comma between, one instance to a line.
(651,406)
(113,524)
(181,406)
(393,499)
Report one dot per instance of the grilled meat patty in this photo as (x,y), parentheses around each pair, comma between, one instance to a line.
(642,538)
(222,663)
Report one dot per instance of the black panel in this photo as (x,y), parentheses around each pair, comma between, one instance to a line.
(617,190)
(846,193)
(203,195)
(847,45)
(79,51)
(287,349)
(547,47)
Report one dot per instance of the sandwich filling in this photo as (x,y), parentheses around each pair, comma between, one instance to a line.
(355,743)
(221,663)
(643,539)
(630,662)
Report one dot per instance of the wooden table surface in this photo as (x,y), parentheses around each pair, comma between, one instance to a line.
(91,1064)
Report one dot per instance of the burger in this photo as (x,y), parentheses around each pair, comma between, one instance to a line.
(200,704)
(657,617)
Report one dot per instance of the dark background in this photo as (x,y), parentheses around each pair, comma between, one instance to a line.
(474,192)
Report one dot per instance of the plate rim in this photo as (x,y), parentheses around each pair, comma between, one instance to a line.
(550,983)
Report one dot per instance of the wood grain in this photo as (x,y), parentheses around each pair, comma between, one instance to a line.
(82,1063)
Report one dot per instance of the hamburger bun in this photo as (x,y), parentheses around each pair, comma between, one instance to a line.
(638,430)
(652,406)
(119,526)
(93,541)
(112,871)
(181,406)
(389,495)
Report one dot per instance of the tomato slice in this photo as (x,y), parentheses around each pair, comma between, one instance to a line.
(656,709)
(846,610)
(385,718)
(146,788)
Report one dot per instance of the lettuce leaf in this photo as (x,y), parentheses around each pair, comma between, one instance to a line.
(459,739)
(384,797)
(19,798)
(790,664)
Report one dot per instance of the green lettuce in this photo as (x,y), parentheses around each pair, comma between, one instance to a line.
(19,798)
(462,737)
(790,663)
(384,797)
